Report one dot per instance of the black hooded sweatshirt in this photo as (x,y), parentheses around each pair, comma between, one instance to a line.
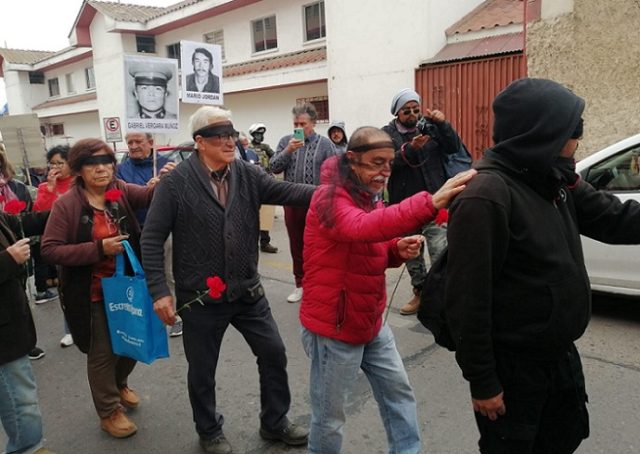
(516,276)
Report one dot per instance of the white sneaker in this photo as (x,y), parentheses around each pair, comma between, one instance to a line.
(66,341)
(295,296)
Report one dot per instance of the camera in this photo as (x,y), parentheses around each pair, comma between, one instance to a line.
(427,128)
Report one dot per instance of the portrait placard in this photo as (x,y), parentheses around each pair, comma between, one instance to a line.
(151,90)
(201,73)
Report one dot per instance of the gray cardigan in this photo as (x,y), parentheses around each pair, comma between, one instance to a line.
(208,239)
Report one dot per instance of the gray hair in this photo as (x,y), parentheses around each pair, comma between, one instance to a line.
(207,114)
(148,135)
(306,108)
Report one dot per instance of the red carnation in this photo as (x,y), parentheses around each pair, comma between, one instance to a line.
(442,217)
(112,195)
(216,286)
(15,207)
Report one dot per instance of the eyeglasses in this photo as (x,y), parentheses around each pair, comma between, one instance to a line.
(57,163)
(407,111)
(223,137)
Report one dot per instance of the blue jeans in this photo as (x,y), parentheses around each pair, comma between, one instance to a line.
(334,367)
(19,408)
(436,238)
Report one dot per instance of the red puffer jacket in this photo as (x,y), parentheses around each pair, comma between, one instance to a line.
(344,282)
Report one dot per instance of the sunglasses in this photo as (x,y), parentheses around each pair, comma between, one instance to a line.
(407,111)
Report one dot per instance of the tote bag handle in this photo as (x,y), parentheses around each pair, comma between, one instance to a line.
(135,263)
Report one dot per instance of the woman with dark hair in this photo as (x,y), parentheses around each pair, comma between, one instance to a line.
(83,235)
(350,240)
(58,182)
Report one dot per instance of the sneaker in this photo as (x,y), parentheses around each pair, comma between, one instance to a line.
(295,296)
(66,341)
(176,329)
(118,425)
(129,398)
(413,305)
(268,248)
(36,353)
(292,435)
(46,296)
(218,445)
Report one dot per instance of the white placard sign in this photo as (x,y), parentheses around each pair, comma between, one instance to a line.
(201,73)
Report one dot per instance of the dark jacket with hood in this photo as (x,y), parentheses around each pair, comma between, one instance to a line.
(514,238)
(17,331)
(422,169)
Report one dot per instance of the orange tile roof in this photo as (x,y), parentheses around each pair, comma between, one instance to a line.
(483,47)
(127,12)
(276,62)
(23,56)
(488,15)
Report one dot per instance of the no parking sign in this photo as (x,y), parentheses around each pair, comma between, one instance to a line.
(112,129)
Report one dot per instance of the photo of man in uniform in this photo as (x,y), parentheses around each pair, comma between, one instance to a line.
(150,90)
(202,79)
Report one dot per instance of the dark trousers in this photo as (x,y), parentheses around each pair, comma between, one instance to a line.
(204,327)
(41,270)
(545,403)
(107,372)
(295,219)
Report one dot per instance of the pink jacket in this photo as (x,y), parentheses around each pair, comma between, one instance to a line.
(344,282)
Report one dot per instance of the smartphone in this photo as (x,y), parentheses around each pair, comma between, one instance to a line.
(298,133)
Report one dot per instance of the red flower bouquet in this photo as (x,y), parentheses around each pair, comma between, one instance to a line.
(112,196)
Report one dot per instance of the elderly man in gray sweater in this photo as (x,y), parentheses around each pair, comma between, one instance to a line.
(210,204)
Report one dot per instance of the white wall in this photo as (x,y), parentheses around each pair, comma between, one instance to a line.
(374,47)
(551,9)
(77,75)
(76,127)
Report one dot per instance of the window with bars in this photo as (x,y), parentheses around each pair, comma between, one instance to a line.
(90,78)
(56,129)
(264,34)
(314,26)
(321,103)
(215,37)
(54,87)
(146,44)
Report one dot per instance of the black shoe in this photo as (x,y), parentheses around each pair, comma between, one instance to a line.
(268,248)
(47,295)
(218,445)
(292,435)
(36,353)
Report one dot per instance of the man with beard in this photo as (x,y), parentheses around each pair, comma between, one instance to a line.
(202,79)
(419,166)
(517,294)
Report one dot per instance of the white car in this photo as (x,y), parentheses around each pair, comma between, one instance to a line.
(616,169)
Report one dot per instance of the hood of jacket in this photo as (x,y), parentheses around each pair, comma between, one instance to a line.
(534,119)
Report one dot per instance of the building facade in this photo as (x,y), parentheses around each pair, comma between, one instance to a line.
(347,57)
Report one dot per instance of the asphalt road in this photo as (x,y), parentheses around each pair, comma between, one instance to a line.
(610,351)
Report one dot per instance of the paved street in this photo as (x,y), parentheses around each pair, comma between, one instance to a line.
(610,349)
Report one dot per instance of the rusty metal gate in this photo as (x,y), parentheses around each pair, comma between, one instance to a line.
(464,91)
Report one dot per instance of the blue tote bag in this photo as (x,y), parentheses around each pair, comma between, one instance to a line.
(136,331)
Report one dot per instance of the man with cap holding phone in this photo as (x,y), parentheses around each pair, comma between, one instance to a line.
(150,90)
(419,166)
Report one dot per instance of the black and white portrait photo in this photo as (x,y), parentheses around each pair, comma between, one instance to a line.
(201,73)
(151,93)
